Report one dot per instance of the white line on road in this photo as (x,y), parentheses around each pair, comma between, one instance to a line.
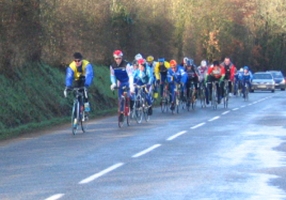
(196,126)
(242,106)
(212,119)
(224,113)
(249,104)
(146,151)
(235,109)
(55,197)
(176,135)
(97,175)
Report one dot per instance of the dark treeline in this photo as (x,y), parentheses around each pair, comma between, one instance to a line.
(251,32)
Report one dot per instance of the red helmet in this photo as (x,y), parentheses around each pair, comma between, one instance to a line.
(117,54)
(141,61)
(173,63)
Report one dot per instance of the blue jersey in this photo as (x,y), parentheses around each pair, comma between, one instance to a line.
(144,77)
(178,76)
(122,72)
(247,76)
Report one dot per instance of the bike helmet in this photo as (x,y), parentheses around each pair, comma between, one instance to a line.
(141,61)
(190,62)
(117,54)
(161,59)
(203,63)
(150,59)
(241,69)
(246,68)
(138,56)
(185,60)
(173,63)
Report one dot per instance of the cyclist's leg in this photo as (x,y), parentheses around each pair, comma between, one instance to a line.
(172,91)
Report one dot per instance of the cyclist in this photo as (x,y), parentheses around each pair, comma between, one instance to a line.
(184,62)
(160,71)
(230,70)
(144,76)
(192,76)
(176,74)
(246,79)
(122,72)
(79,73)
(203,70)
(151,64)
(238,80)
(216,73)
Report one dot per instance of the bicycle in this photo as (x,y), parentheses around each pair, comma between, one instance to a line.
(226,94)
(191,98)
(125,103)
(246,91)
(165,99)
(177,98)
(141,106)
(202,95)
(78,112)
(214,95)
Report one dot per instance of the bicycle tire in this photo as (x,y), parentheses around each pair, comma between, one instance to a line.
(121,122)
(75,117)
(138,109)
(246,91)
(193,100)
(214,98)
(202,97)
(225,98)
(82,123)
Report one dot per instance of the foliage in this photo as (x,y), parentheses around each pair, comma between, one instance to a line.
(35,98)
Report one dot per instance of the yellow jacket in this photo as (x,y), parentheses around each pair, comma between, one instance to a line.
(157,69)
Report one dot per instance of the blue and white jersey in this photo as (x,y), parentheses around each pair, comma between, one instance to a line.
(151,66)
(144,77)
(247,76)
(122,73)
(178,76)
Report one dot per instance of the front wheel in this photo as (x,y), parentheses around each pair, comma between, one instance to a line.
(75,118)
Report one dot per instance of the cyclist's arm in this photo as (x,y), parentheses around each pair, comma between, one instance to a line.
(69,77)
(129,70)
(88,75)
(150,75)
(112,76)
(156,71)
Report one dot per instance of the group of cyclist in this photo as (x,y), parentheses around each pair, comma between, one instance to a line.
(154,75)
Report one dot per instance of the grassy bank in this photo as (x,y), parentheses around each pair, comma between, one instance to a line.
(32,98)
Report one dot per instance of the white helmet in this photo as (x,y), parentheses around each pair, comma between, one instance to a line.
(203,63)
(138,56)
(241,69)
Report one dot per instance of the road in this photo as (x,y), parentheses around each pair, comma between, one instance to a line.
(235,153)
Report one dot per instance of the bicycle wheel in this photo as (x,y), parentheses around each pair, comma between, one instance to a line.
(246,93)
(145,111)
(214,98)
(75,117)
(127,112)
(225,98)
(178,102)
(202,96)
(193,101)
(121,115)
(138,110)
(82,123)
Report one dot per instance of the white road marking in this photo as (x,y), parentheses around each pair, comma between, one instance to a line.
(212,119)
(235,109)
(224,113)
(196,126)
(103,172)
(55,197)
(176,135)
(242,106)
(250,104)
(146,151)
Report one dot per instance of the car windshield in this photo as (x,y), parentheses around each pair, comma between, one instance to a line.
(277,75)
(262,76)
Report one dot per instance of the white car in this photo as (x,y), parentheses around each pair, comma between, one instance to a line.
(263,81)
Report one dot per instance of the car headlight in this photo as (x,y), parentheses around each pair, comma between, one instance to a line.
(283,81)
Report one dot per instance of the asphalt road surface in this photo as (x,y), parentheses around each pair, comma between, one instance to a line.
(235,153)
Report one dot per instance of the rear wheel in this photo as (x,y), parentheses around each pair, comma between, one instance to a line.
(121,115)
(214,98)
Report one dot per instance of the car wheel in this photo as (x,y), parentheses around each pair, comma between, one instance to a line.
(283,89)
(272,91)
(252,91)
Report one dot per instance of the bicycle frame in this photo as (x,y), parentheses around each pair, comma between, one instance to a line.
(125,103)
(77,116)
